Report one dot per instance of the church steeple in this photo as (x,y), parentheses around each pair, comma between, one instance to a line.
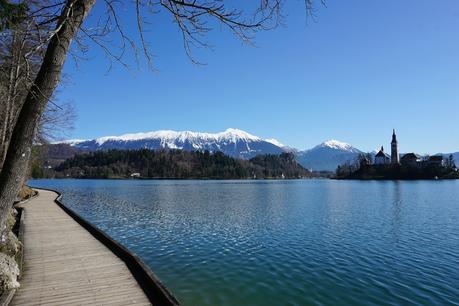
(395,158)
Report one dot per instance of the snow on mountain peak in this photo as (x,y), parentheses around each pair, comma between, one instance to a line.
(327,155)
(70,142)
(230,135)
(233,142)
(236,134)
(338,145)
(275,142)
(136,136)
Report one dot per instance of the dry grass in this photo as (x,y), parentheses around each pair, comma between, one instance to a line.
(26,193)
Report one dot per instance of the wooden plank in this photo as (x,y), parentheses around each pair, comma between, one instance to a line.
(66,265)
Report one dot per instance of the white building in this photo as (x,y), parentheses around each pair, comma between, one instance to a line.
(382,158)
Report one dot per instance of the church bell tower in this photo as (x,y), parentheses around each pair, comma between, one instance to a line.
(395,158)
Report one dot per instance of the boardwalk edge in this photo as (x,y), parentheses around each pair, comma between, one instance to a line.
(154,289)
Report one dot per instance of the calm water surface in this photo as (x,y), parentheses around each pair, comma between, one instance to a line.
(313,242)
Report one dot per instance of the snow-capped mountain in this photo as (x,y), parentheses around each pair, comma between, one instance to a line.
(232,142)
(327,156)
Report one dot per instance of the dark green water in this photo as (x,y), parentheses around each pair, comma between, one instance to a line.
(313,242)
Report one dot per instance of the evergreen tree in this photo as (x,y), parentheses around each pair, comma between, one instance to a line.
(178,164)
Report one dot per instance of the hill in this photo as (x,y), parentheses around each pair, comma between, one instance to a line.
(178,164)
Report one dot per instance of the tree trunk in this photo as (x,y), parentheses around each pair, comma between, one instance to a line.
(20,146)
(9,100)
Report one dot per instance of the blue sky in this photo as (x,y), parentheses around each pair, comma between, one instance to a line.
(363,68)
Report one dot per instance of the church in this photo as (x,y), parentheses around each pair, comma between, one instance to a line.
(382,158)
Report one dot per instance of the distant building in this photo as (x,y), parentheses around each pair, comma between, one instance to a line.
(135,174)
(436,160)
(411,160)
(399,166)
(382,158)
(395,157)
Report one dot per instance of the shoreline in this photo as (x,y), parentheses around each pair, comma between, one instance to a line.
(393,179)
(180,179)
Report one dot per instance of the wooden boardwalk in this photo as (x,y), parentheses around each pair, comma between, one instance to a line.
(65,265)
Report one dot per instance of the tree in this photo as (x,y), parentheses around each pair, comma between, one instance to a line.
(20,146)
(450,163)
(20,60)
(15,74)
(363,160)
(193,17)
(177,164)
(11,14)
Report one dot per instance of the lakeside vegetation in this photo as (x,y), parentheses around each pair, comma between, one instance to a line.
(173,164)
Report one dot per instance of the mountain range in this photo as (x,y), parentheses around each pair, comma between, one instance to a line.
(233,142)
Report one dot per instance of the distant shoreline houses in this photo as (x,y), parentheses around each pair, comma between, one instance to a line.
(409,159)
(409,166)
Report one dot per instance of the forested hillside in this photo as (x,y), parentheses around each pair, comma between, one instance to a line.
(176,164)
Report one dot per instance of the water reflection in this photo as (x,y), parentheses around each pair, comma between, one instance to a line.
(397,204)
(284,242)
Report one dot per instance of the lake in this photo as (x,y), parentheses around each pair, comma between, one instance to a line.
(300,242)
